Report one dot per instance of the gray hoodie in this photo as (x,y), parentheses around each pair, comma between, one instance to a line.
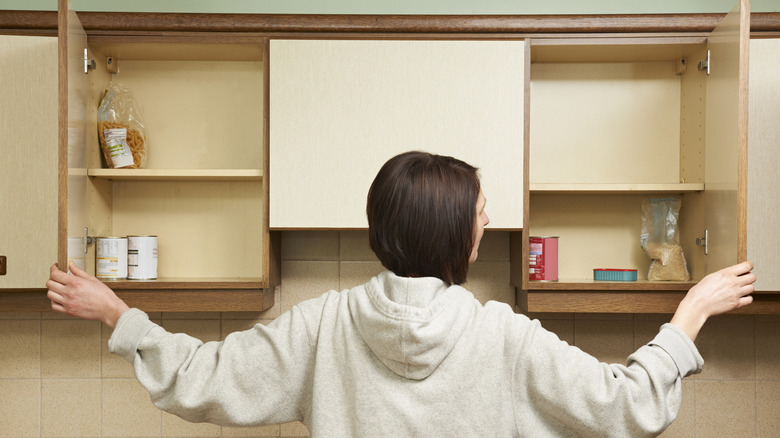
(408,357)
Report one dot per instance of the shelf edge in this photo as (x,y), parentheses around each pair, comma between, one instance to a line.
(177,174)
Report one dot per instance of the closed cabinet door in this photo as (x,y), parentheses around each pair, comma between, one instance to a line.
(28,160)
(340,108)
(763,163)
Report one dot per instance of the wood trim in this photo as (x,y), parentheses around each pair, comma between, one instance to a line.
(742,132)
(157,300)
(45,22)
(62,137)
(272,240)
(525,234)
(200,300)
(626,302)
(29,22)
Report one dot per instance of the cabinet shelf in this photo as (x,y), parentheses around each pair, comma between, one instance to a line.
(593,285)
(196,283)
(178,174)
(615,188)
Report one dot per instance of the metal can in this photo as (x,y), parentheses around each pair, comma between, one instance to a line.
(111,258)
(543,258)
(76,254)
(141,257)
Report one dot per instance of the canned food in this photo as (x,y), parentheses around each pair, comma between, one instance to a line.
(141,257)
(543,258)
(111,258)
(76,253)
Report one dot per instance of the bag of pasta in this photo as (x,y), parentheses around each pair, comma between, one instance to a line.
(121,129)
(660,239)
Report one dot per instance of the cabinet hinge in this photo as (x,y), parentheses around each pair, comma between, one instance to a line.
(704,241)
(89,63)
(704,64)
(88,240)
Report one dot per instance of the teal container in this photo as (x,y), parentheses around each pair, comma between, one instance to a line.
(614,274)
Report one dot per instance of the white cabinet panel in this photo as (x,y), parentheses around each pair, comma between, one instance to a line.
(339,109)
(28,158)
(763,174)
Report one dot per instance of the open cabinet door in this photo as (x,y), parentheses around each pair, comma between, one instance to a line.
(72,167)
(726,140)
(763,202)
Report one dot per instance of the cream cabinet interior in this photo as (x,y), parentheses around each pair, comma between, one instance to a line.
(606,131)
(340,108)
(618,120)
(612,123)
(202,191)
(28,191)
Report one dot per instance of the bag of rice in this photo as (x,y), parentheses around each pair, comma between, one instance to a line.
(660,239)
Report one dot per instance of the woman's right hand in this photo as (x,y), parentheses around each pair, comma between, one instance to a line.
(83,296)
(717,293)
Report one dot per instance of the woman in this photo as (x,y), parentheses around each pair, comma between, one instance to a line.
(411,353)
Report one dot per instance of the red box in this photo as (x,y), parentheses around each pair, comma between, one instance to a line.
(543,258)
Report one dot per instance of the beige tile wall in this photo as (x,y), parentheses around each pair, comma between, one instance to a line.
(58,380)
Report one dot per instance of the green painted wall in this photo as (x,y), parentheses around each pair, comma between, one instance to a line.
(401,6)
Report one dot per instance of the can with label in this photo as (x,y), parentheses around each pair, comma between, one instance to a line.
(76,253)
(141,257)
(543,258)
(111,258)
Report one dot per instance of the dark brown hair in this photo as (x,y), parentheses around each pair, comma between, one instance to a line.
(421,213)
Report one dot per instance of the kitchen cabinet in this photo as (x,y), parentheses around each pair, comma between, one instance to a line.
(340,108)
(259,123)
(618,120)
(28,216)
(202,191)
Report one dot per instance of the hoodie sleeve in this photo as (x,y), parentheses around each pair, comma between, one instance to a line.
(560,390)
(257,376)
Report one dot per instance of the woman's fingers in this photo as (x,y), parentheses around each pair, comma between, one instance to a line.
(54,296)
(741,268)
(56,301)
(77,271)
(57,275)
(747,279)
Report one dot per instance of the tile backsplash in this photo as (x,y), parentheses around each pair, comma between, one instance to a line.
(58,380)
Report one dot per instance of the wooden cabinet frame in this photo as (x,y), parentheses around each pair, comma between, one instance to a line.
(158,27)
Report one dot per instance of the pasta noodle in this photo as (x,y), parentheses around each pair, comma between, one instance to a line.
(134,140)
(121,132)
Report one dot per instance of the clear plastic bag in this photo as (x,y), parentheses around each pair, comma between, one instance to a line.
(120,129)
(660,239)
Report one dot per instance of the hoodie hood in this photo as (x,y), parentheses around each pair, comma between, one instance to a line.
(411,324)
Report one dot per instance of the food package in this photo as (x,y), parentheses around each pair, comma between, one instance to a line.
(120,129)
(660,239)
